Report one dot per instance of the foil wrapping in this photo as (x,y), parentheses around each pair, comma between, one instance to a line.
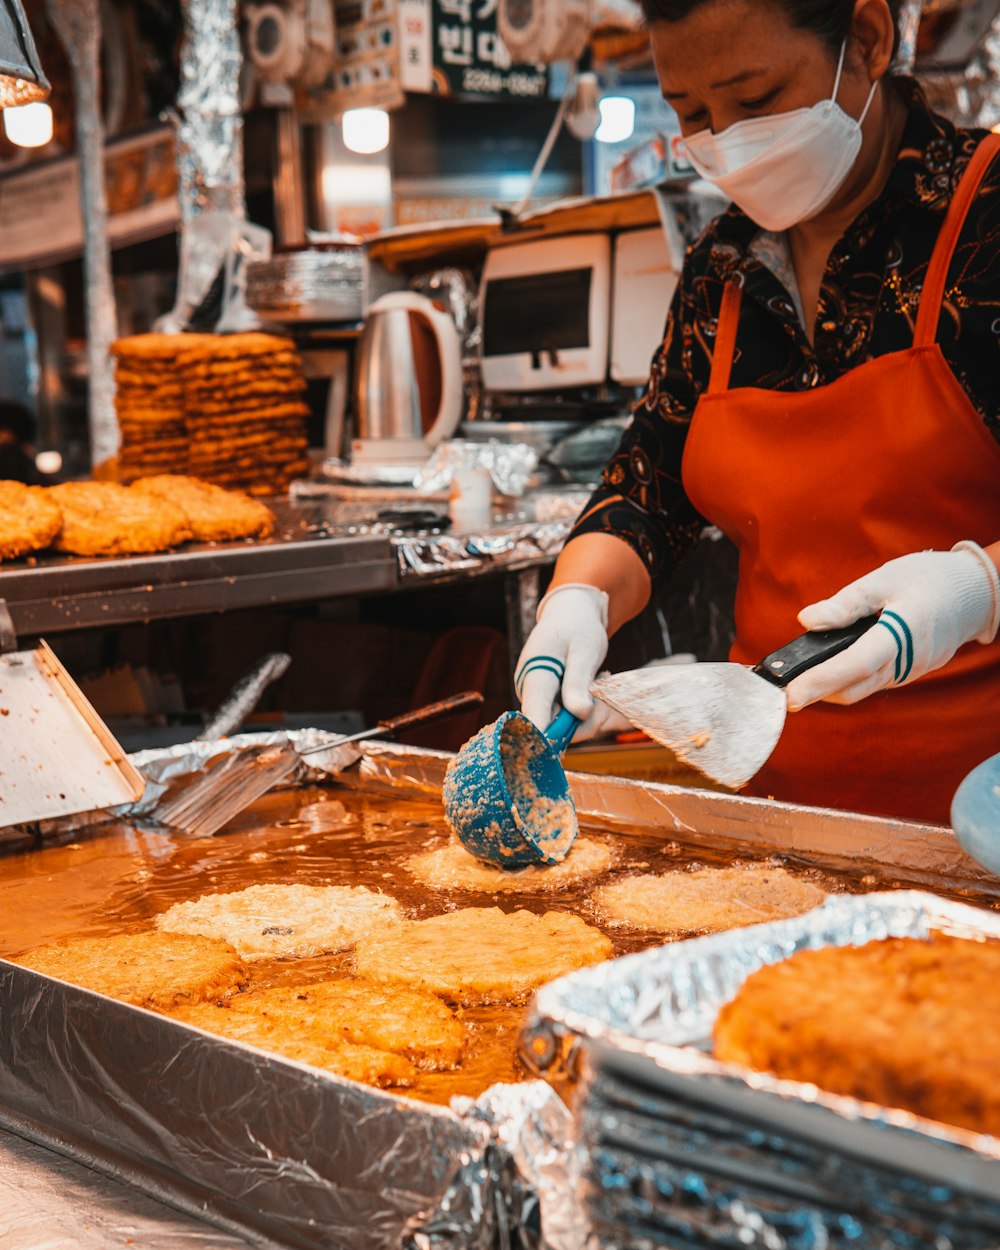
(683,1150)
(510,465)
(210,128)
(162,767)
(434,554)
(79,27)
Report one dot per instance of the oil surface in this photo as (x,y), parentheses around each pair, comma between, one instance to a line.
(116,878)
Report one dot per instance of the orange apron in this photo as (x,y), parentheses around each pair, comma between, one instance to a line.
(819,487)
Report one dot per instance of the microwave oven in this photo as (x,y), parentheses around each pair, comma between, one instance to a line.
(545,309)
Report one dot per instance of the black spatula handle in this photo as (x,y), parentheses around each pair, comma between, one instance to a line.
(810,649)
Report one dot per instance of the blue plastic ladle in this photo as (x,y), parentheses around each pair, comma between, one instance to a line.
(506,796)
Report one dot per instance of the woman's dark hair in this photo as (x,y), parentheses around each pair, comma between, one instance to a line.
(830,20)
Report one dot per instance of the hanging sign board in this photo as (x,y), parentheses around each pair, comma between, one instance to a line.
(40,217)
(451,47)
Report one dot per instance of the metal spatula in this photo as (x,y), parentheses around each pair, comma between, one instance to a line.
(723,719)
(230,785)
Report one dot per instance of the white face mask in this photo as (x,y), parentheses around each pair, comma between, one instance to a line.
(785,168)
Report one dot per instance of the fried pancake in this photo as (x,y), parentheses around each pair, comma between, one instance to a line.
(29,519)
(707,900)
(480,954)
(902,1022)
(212,513)
(159,970)
(105,519)
(213,347)
(285,921)
(411,1023)
(156,348)
(366,1064)
(451,867)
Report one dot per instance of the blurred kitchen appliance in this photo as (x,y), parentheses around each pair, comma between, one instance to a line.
(288,42)
(407,381)
(545,307)
(645,278)
(544,30)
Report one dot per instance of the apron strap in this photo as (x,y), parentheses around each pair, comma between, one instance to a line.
(725,338)
(932,295)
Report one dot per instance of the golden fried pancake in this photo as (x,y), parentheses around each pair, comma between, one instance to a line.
(285,921)
(105,519)
(213,514)
(903,1022)
(158,970)
(366,1064)
(411,1023)
(235,346)
(706,900)
(29,519)
(451,867)
(481,954)
(156,347)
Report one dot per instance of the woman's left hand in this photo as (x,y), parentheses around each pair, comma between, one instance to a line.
(931,603)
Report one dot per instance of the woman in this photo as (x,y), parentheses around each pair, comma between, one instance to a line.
(828,393)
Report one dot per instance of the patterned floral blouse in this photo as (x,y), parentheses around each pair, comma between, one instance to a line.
(868,306)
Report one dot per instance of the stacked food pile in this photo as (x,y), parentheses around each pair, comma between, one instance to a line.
(149,400)
(106,519)
(227,407)
(244,410)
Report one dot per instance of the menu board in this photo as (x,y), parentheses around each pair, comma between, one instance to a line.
(452,47)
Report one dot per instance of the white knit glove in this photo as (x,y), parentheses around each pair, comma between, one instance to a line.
(563,653)
(932,603)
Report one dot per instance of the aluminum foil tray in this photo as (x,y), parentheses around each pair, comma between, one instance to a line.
(683,1151)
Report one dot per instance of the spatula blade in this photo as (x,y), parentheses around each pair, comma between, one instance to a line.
(722,719)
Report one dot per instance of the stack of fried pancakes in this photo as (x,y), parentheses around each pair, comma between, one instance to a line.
(149,400)
(227,408)
(244,409)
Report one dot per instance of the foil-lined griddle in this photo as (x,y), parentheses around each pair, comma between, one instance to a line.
(286,1154)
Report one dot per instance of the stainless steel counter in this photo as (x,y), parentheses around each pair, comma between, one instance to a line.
(321,549)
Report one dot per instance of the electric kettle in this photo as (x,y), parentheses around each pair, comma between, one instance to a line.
(408,393)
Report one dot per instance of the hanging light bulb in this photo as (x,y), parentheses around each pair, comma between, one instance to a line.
(28,125)
(366,130)
(617,119)
(583,115)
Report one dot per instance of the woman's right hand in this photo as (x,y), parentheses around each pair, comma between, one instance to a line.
(563,653)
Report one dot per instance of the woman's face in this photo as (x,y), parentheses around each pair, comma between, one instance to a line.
(730,60)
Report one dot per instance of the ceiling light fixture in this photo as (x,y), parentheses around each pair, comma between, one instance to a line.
(617,119)
(28,125)
(366,131)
